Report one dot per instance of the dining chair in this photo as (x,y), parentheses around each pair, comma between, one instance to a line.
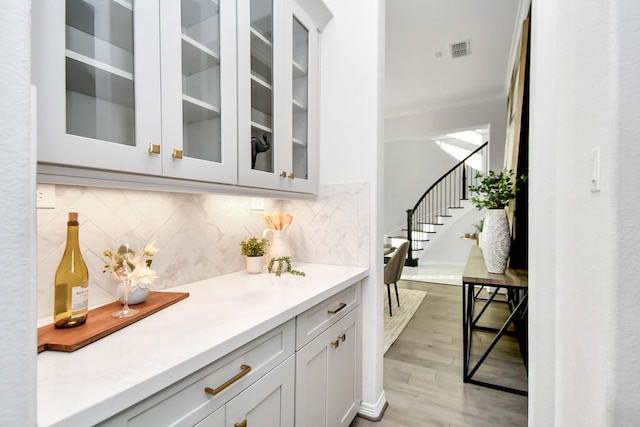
(393,271)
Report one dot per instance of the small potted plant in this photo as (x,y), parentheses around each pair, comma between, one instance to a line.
(254,250)
(494,193)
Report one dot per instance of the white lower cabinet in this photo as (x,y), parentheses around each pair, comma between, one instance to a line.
(266,382)
(328,375)
(267,403)
(214,420)
(250,371)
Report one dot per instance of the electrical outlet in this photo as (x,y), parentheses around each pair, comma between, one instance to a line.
(257,204)
(46,196)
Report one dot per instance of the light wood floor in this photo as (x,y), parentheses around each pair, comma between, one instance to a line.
(423,370)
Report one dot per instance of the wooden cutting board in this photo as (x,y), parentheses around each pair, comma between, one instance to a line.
(99,324)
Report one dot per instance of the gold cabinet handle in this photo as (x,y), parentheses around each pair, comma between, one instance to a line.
(335,344)
(292,176)
(283,174)
(343,337)
(154,148)
(244,370)
(243,423)
(340,307)
(176,154)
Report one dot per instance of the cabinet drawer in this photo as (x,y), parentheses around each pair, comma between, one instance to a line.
(186,402)
(314,321)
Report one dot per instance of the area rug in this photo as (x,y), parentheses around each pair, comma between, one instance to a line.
(410,300)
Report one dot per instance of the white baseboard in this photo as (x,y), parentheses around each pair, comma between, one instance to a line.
(373,411)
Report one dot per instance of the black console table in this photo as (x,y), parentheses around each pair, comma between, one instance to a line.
(516,283)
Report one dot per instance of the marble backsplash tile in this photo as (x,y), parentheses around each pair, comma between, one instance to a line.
(198,234)
(334,228)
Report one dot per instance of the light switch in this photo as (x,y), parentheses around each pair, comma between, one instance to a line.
(45,196)
(595,169)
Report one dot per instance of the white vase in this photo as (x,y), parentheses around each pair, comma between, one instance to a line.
(278,245)
(496,240)
(135,297)
(254,264)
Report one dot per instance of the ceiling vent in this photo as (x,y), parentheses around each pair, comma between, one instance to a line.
(459,49)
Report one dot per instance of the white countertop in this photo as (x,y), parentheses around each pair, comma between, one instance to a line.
(220,315)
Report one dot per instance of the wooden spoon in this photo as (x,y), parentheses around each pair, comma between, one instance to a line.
(267,219)
(277,217)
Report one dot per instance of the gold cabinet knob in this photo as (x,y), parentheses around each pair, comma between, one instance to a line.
(335,344)
(292,176)
(283,174)
(176,154)
(154,148)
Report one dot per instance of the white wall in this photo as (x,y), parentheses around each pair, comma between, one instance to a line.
(351,146)
(17,227)
(584,249)
(473,115)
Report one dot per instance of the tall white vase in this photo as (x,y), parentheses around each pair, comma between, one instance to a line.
(496,240)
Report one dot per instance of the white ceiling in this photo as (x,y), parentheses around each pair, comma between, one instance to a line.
(417,81)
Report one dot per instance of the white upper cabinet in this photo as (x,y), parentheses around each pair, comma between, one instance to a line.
(199,89)
(277,96)
(213,91)
(96,68)
(137,87)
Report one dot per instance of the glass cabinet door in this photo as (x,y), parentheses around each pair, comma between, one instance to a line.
(261,80)
(95,67)
(303,82)
(198,87)
(300,99)
(277,96)
(201,110)
(259,130)
(100,102)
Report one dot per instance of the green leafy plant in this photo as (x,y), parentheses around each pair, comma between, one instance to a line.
(495,191)
(283,260)
(253,247)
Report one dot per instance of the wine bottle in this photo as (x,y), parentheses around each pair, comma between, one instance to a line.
(71,287)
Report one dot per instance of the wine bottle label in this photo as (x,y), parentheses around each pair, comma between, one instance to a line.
(79,299)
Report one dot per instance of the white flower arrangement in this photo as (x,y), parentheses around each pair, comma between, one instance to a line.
(126,265)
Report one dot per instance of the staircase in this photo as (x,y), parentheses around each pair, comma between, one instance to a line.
(442,203)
